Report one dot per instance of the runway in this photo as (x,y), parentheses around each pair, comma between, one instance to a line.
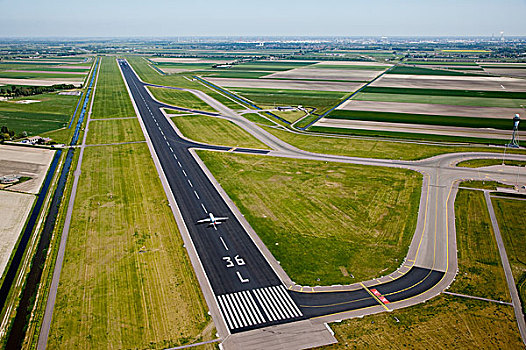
(249,288)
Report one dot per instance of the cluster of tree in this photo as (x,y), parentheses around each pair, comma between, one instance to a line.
(7,134)
(15,90)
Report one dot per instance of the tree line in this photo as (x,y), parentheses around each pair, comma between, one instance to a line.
(15,90)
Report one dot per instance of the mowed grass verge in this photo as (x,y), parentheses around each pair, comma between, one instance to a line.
(114,130)
(445,322)
(480,269)
(180,98)
(127,281)
(318,217)
(216,131)
(111,96)
(512,224)
(477,163)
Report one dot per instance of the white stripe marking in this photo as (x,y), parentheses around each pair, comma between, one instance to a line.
(226,312)
(184,172)
(282,290)
(180,166)
(204,208)
(196,195)
(224,244)
(254,306)
(262,300)
(244,312)
(274,306)
(234,310)
(279,300)
(249,310)
(190,183)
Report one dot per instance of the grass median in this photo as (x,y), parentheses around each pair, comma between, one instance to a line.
(127,281)
(512,226)
(216,131)
(320,219)
(114,131)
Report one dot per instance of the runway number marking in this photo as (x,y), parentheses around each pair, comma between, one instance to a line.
(239,260)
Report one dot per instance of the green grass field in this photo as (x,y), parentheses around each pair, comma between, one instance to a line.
(216,131)
(126,281)
(180,98)
(477,163)
(317,216)
(256,118)
(391,117)
(321,100)
(447,100)
(227,73)
(113,131)
(355,147)
(52,112)
(43,76)
(445,322)
(445,92)
(512,227)
(290,116)
(111,97)
(480,269)
(484,185)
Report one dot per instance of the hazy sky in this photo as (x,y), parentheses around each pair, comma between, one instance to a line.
(110,18)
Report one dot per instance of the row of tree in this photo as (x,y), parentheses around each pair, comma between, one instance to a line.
(7,134)
(15,90)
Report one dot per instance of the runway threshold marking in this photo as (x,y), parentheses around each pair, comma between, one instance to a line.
(374,296)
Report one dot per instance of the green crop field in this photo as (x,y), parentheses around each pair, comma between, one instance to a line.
(111,97)
(180,98)
(114,130)
(316,217)
(127,281)
(408,136)
(512,225)
(442,63)
(52,112)
(426,71)
(392,117)
(189,66)
(29,75)
(321,100)
(355,147)
(445,322)
(480,269)
(442,92)
(216,131)
(447,100)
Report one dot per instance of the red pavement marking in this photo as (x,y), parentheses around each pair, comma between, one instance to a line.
(380,296)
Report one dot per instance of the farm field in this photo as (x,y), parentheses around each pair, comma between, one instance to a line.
(180,98)
(480,269)
(512,227)
(431,109)
(126,280)
(216,131)
(436,99)
(356,214)
(326,74)
(50,111)
(286,84)
(14,210)
(484,83)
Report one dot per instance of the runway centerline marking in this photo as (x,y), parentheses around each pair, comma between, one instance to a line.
(202,205)
(190,183)
(196,195)
(224,244)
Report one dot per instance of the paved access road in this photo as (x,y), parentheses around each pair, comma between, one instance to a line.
(248,287)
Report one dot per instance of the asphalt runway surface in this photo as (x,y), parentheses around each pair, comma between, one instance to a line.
(247,290)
